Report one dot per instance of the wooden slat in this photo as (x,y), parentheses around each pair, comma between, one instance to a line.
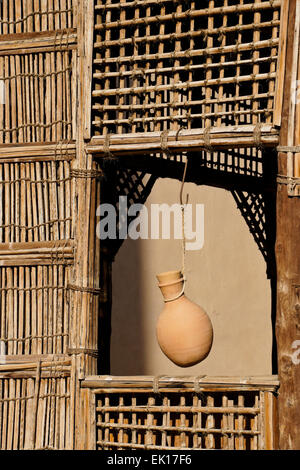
(110,382)
(226,137)
(88,63)
(43,41)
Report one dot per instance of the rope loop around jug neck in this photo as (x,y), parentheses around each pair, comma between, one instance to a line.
(172,283)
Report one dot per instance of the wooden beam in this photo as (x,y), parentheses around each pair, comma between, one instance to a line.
(36,253)
(270,421)
(87,436)
(107,382)
(37,42)
(19,153)
(187,140)
(288,262)
(88,69)
(84,323)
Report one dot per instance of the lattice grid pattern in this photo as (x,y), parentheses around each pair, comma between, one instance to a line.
(252,207)
(247,162)
(28,16)
(180,419)
(38,97)
(167,65)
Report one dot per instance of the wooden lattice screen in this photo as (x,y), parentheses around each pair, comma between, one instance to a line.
(168,413)
(184,68)
(38,64)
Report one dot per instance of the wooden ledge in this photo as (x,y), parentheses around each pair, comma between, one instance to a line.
(212,139)
(108,382)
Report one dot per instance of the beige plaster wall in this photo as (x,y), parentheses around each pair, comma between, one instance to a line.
(227,278)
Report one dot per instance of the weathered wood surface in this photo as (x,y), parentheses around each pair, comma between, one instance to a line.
(149,382)
(86,275)
(38,54)
(186,418)
(288,263)
(225,137)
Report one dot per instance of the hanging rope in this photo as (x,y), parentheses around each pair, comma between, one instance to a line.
(182,205)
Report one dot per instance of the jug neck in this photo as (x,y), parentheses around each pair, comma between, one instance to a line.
(172,285)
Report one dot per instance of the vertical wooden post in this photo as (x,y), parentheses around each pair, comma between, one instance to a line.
(270,421)
(87,436)
(288,253)
(85,285)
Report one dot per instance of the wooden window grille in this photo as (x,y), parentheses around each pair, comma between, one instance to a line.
(180,66)
(30,16)
(171,413)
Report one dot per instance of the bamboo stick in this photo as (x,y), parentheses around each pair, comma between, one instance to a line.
(183,85)
(204,11)
(281,63)
(5,415)
(35,312)
(36,17)
(211,10)
(182,428)
(54,105)
(48,310)
(32,365)
(22,414)
(209,410)
(18,316)
(51,16)
(195,53)
(10,308)
(7,100)
(59,104)
(11,411)
(89,25)
(190,34)
(34,415)
(29,15)
(13,99)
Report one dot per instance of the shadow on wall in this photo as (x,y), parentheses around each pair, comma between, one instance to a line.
(128,342)
(227,278)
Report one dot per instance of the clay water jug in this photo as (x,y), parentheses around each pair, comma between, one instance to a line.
(184,330)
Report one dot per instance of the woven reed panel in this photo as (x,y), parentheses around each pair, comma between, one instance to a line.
(40,198)
(35,417)
(169,65)
(180,419)
(38,96)
(34,309)
(27,16)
